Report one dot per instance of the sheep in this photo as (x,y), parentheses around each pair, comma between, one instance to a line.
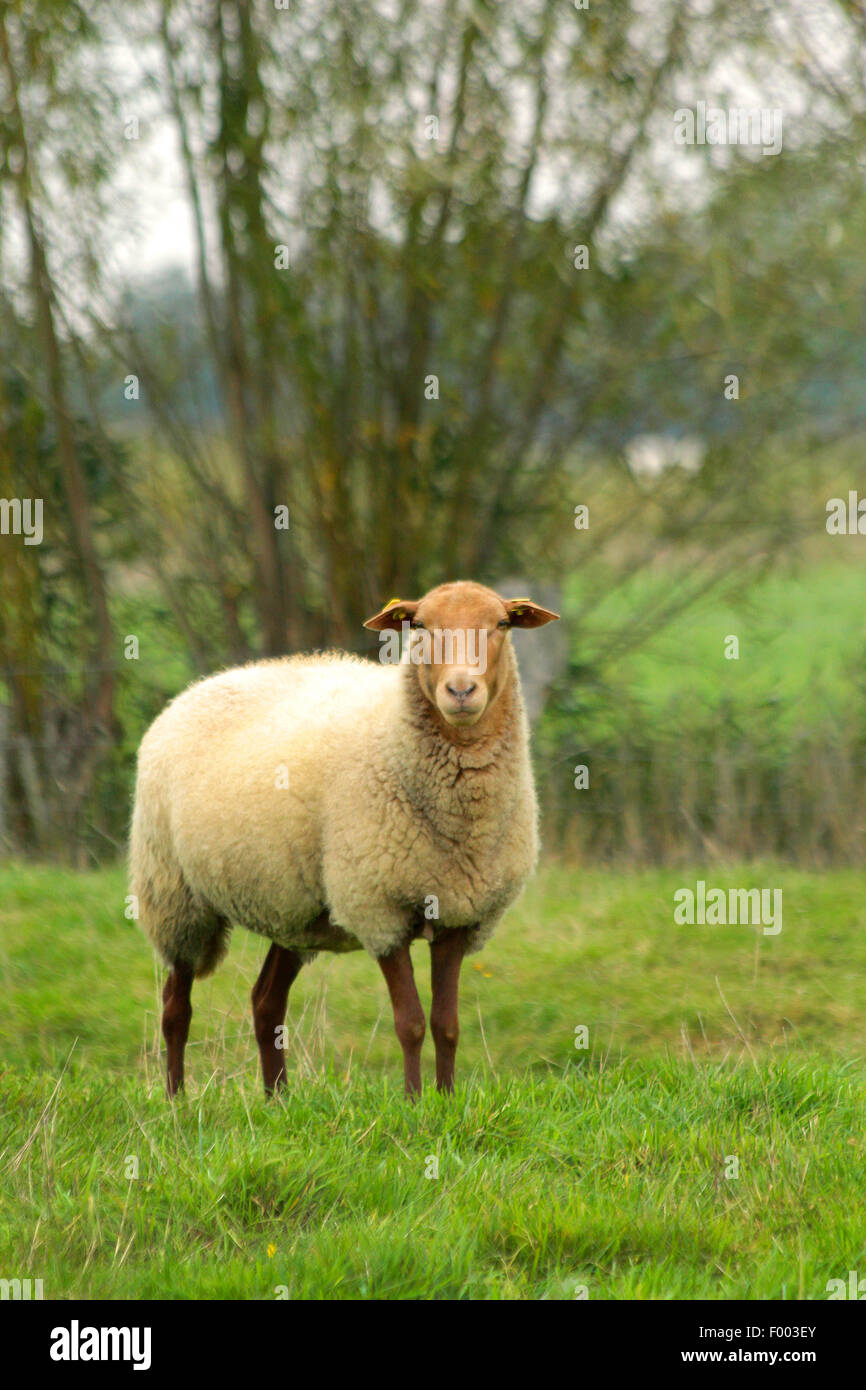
(331,803)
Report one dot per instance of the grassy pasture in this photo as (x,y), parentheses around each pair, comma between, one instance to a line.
(692,755)
(558,1169)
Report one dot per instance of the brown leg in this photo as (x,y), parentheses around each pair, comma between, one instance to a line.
(446,958)
(270,994)
(176,1014)
(409,1021)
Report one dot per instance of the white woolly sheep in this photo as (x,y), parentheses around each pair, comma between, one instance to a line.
(331,803)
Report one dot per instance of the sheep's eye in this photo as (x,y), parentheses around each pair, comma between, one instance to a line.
(416,626)
(505,623)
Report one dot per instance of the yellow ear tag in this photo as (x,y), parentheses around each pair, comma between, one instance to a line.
(390,601)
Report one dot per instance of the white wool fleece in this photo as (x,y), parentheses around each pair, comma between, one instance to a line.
(380,813)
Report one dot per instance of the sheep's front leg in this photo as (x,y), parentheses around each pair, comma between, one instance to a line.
(409,1021)
(270,996)
(446,958)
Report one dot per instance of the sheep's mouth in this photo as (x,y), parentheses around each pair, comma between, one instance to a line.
(462,714)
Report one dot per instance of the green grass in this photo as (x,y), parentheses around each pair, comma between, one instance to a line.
(557,1168)
(800,648)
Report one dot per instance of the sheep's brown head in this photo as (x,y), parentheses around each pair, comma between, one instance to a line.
(458,635)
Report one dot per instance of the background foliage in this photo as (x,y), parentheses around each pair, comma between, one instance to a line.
(383,193)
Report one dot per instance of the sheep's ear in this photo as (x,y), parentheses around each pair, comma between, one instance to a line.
(524,613)
(393,615)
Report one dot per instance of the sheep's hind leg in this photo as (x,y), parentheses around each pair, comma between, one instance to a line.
(176,1015)
(446,958)
(409,1021)
(270,996)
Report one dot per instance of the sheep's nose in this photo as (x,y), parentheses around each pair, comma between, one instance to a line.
(461,692)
